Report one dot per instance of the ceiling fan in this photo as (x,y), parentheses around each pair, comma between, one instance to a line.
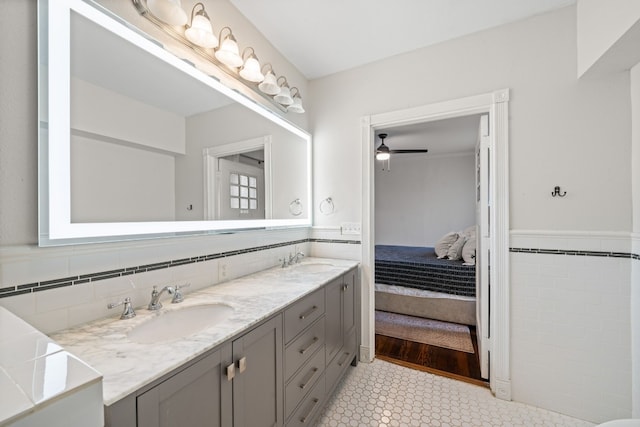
(384,153)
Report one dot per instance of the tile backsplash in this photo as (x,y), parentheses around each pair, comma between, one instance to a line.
(57,288)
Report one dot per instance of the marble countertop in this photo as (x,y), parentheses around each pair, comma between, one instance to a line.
(127,366)
(34,369)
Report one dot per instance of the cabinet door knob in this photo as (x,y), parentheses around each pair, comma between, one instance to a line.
(231,371)
(306,417)
(242,364)
(306,381)
(308,312)
(304,350)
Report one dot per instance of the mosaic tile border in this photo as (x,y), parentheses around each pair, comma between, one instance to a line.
(576,253)
(26,288)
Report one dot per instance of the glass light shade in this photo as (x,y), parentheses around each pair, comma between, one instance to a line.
(284,97)
(382,155)
(228,53)
(269,85)
(169,11)
(296,107)
(251,70)
(200,33)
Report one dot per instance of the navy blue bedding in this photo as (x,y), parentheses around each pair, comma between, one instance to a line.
(418,267)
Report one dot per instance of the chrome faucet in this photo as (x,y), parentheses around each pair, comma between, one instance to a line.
(127,312)
(295,258)
(155,303)
(177,294)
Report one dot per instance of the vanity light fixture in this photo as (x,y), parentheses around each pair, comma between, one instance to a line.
(284,97)
(200,32)
(296,107)
(270,84)
(228,52)
(169,16)
(250,71)
(170,11)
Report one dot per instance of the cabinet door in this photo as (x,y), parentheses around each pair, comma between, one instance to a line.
(192,397)
(348,302)
(258,386)
(333,318)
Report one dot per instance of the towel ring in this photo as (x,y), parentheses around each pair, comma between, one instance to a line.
(295,207)
(326,206)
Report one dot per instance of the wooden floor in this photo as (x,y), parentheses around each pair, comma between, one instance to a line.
(442,361)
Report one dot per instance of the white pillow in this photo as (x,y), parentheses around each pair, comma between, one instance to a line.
(469,251)
(442,246)
(470,231)
(455,251)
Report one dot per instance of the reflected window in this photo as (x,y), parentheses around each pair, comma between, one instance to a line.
(243,192)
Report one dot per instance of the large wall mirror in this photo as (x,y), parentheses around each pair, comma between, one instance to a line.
(137,143)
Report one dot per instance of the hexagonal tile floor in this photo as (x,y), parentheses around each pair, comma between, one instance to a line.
(382,394)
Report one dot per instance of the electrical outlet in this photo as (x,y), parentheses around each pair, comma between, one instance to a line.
(223,271)
(350,228)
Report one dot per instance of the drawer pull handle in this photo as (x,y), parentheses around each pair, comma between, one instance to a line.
(306,381)
(306,417)
(345,287)
(231,371)
(308,312)
(242,364)
(304,350)
(344,358)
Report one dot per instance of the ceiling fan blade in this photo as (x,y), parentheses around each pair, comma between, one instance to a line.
(417,150)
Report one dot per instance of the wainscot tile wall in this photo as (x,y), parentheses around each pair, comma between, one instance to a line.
(571,322)
(86,279)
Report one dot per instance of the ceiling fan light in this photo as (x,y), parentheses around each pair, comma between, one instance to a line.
(200,32)
(169,11)
(383,155)
(228,52)
(269,85)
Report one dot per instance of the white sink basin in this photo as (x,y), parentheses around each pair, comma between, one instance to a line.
(313,267)
(171,325)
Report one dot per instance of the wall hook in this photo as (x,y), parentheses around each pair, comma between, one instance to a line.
(556,192)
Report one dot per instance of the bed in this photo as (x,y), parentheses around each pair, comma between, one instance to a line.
(412,280)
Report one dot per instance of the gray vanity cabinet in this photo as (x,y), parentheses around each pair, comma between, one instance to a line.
(281,371)
(195,396)
(257,385)
(239,385)
(341,315)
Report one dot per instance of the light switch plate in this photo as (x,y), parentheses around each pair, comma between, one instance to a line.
(350,228)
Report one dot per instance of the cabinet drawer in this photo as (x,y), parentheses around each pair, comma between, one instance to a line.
(303,347)
(303,381)
(302,314)
(310,407)
(340,362)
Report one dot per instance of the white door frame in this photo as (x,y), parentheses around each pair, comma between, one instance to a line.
(496,104)
(210,157)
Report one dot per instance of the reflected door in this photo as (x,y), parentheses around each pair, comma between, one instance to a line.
(240,191)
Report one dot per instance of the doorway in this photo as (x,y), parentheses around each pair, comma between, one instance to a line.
(427,220)
(495,105)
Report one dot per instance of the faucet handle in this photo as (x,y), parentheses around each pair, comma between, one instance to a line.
(128,312)
(177,293)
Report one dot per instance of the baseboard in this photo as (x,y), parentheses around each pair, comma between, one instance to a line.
(502,389)
(366,354)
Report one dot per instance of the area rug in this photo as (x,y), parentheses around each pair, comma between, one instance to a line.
(426,331)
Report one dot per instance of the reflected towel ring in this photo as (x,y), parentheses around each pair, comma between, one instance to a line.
(326,206)
(295,207)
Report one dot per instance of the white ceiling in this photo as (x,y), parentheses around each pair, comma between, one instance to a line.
(441,137)
(322,37)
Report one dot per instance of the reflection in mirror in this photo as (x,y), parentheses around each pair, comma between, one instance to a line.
(152,145)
